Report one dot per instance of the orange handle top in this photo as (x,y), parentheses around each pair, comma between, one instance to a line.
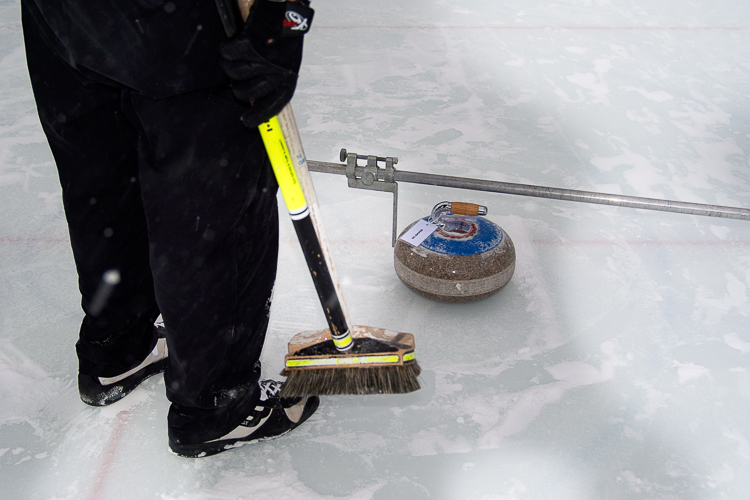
(461,208)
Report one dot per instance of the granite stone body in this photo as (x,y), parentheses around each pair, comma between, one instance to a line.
(469,259)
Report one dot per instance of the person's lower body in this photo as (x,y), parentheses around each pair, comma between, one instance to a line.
(178,198)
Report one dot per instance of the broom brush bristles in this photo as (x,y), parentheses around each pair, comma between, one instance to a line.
(398,379)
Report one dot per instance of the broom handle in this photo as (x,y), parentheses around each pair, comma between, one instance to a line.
(284,148)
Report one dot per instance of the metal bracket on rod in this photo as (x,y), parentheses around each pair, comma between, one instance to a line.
(374,178)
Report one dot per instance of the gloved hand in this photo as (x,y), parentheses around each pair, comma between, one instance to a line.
(263,62)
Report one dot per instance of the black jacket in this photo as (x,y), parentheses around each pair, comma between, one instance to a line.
(158,48)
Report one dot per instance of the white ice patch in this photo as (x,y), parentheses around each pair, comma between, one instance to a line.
(462,10)
(7,179)
(722,68)
(570,212)
(648,119)
(434,441)
(345,442)
(444,387)
(518,62)
(687,372)
(743,445)
(722,476)
(594,83)
(656,96)
(25,388)
(578,373)
(619,51)
(608,188)
(524,407)
(279,486)
(547,123)
(734,341)
(642,176)
(720,231)
(487,410)
(596,87)
(655,399)
(632,433)
(711,309)
(576,50)
(700,121)
(720,155)
(636,484)
(524,97)
(530,281)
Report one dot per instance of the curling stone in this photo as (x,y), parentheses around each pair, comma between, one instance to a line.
(465,258)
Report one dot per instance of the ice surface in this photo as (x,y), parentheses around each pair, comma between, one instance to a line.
(613,366)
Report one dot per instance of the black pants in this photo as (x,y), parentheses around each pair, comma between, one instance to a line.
(178,197)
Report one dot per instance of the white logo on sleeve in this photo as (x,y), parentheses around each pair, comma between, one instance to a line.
(295,21)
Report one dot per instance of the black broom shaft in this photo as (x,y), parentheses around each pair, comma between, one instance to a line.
(320,275)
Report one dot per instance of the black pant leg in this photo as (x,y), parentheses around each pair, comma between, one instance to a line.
(212,226)
(210,199)
(96,152)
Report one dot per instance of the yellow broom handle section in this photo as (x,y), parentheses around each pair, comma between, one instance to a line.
(283,166)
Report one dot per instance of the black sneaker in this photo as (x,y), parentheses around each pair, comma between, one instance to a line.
(103,391)
(273,416)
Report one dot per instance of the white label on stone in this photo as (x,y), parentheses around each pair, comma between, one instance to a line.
(418,233)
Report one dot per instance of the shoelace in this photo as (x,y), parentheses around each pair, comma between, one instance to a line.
(269,389)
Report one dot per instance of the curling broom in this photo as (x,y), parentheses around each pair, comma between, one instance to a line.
(341,359)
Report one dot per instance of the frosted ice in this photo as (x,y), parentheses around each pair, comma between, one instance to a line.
(615,363)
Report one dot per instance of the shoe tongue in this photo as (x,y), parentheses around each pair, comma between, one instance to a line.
(269,389)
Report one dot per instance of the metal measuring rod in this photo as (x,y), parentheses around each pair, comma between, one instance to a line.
(375,177)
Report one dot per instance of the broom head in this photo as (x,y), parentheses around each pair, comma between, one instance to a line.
(380,362)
